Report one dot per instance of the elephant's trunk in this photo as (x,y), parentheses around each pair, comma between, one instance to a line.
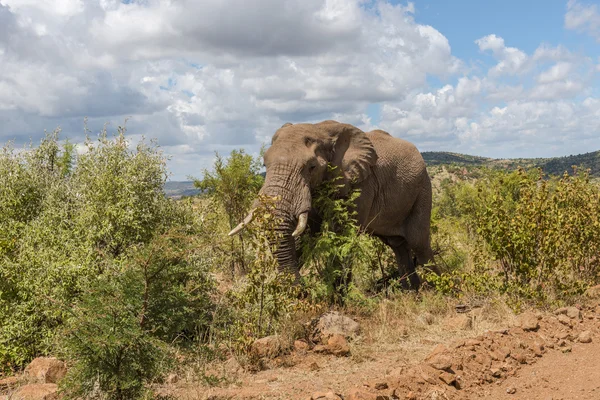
(292,207)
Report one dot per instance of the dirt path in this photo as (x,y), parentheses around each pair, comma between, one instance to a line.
(534,356)
(574,375)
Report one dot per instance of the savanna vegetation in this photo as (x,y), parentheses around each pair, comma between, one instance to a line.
(100,268)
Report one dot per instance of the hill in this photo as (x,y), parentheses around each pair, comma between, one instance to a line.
(554,166)
(177,189)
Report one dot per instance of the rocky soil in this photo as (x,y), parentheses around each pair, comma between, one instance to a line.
(540,356)
(536,356)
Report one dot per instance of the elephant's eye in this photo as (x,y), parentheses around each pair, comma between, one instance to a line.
(312,168)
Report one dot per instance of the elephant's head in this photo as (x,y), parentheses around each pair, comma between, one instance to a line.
(296,164)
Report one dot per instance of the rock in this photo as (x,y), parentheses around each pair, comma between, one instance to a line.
(381,386)
(529,321)
(563,319)
(460,322)
(538,349)
(472,342)
(338,346)
(172,379)
(267,347)
(8,383)
(439,349)
(411,396)
(559,311)
(357,394)
(325,396)
(511,390)
(427,318)
(36,391)
(447,378)
(593,292)
(46,369)
(301,346)
(334,323)
(441,362)
(585,337)
(573,313)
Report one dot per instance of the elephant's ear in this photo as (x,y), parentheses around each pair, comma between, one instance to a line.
(352,151)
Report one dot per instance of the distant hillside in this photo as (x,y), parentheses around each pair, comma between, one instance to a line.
(555,166)
(177,189)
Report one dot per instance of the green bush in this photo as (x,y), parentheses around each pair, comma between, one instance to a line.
(121,331)
(91,236)
(532,237)
(335,254)
(232,187)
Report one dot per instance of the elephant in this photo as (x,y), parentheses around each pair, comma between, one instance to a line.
(395,189)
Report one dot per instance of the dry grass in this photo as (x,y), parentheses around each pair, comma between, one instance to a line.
(399,331)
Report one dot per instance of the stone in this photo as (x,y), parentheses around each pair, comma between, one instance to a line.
(9,383)
(338,346)
(325,396)
(301,346)
(593,292)
(172,379)
(267,347)
(573,313)
(411,396)
(437,350)
(585,337)
(529,321)
(36,391)
(333,323)
(427,318)
(460,322)
(46,370)
(563,319)
(441,362)
(559,311)
(511,390)
(538,349)
(357,394)
(381,386)
(472,342)
(447,378)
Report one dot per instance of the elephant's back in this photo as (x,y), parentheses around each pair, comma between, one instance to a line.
(397,154)
(400,178)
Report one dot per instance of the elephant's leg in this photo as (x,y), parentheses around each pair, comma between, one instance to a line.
(408,276)
(417,230)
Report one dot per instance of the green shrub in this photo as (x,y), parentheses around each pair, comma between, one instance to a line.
(121,331)
(265,297)
(232,186)
(338,251)
(78,232)
(520,233)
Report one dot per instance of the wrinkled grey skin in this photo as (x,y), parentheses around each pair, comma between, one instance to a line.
(395,200)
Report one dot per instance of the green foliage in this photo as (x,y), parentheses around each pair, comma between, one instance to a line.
(87,237)
(333,254)
(545,234)
(120,330)
(266,297)
(531,237)
(233,185)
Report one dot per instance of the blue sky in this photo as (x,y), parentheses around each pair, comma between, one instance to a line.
(493,78)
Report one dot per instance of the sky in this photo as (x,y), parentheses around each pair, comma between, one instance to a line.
(492,78)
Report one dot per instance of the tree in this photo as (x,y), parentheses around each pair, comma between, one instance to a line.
(233,183)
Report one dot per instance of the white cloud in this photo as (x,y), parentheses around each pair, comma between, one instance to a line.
(510,59)
(199,82)
(583,17)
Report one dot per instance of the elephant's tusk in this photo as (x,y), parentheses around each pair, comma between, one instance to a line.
(302,220)
(243,224)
